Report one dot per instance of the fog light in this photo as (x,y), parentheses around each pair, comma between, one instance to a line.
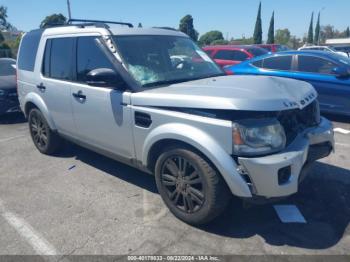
(284,175)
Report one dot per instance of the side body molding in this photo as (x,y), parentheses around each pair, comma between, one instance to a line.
(205,144)
(39,103)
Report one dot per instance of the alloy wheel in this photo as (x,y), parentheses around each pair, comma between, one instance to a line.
(183,184)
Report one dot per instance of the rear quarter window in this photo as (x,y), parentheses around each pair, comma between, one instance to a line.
(28,50)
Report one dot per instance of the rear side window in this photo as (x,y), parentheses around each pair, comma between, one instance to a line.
(29,49)
(257,51)
(58,58)
(278,63)
(209,52)
(317,65)
(90,57)
(231,55)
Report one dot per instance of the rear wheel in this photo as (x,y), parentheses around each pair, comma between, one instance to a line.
(46,141)
(191,188)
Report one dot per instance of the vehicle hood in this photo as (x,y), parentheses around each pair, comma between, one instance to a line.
(7,82)
(251,93)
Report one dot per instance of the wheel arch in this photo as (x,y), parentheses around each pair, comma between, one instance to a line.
(199,141)
(33,100)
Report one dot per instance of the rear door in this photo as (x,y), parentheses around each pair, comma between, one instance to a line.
(101,114)
(56,80)
(334,92)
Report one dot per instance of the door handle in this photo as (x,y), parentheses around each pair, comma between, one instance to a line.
(41,87)
(79,95)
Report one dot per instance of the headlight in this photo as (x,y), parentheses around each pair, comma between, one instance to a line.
(2,92)
(257,137)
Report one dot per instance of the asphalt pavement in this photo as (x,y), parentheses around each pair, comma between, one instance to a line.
(81,203)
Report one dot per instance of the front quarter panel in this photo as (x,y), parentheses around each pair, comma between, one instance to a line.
(212,137)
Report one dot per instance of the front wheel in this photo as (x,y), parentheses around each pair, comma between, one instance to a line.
(46,141)
(190,187)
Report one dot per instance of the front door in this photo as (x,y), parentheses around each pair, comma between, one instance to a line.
(101,114)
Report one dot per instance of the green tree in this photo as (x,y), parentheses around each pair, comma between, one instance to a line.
(140,25)
(347,32)
(2,38)
(283,36)
(317,31)
(258,28)
(310,35)
(220,42)
(271,34)
(210,37)
(3,16)
(54,19)
(187,27)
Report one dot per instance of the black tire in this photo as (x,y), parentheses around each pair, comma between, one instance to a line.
(195,199)
(46,141)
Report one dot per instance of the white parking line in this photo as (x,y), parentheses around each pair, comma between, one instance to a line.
(38,242)
(341,131)
(11,138)
(340,144)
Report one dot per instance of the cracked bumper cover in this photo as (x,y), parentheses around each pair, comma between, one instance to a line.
(263,171)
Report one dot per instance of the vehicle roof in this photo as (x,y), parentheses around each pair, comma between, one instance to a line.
(113,29)
(300,52)
(267,45)
(231,47)
(314,46)
(8,60)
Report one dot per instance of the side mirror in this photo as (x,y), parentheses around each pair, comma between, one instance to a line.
(104,77)
(341,72)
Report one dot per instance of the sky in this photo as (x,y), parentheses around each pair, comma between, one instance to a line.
(235,18)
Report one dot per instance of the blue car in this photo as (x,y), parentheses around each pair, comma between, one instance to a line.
(329,74)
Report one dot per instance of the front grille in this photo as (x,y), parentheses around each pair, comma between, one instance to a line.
(297,120)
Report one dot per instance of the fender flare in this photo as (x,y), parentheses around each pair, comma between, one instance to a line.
(40,104)
(206,145)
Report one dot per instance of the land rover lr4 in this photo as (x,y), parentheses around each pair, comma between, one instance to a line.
(151,98)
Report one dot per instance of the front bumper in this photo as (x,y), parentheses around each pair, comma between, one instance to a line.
(279,175)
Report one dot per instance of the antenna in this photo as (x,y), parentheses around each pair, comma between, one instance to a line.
(69,11)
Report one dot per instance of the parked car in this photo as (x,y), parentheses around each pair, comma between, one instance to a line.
(225,55)
(329,73)
(8,86)
(205,136)
(274,48)
(322,48)
(342,48)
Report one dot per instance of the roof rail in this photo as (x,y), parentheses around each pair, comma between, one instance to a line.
(71,21)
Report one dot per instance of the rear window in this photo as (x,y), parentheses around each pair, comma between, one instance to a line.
(257,51)
(278,63)
(29,49)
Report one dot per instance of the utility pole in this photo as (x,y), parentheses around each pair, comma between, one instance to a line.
(69,12)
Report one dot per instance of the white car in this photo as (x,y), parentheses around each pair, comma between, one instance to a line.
(323,48)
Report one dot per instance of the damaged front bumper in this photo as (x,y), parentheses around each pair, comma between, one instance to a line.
(279,175)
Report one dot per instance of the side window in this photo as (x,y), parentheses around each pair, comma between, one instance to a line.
(61,58)
(209,52)
(46,61)
(239,56)
(317,65)
(223,55)
(258,63)
(278,63)
(28,50)
(90,57)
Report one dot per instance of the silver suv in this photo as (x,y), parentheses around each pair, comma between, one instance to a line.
(153,99)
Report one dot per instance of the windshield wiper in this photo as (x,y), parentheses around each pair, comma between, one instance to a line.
(175,81)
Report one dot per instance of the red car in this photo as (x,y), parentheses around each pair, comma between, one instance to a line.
(227,55)
(274,48)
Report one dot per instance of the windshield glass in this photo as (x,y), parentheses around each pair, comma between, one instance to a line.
(159,60)
(7,68)
(341,58)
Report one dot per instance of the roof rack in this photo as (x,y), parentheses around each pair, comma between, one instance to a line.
(92,22)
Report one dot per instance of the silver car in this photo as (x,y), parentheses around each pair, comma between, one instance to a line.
(122,92)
